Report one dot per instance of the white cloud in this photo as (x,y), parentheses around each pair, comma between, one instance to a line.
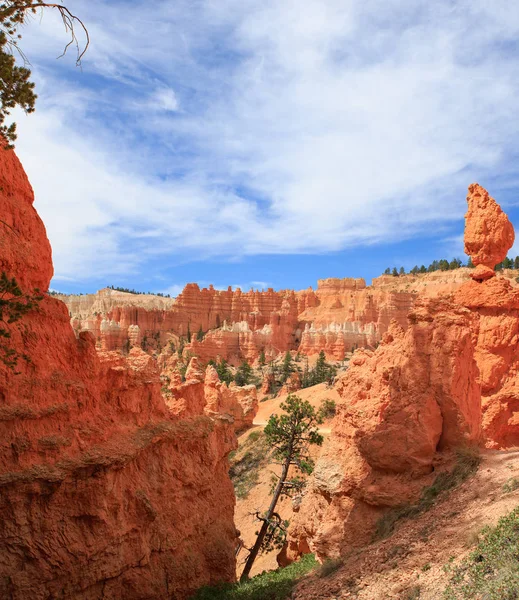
(305,127)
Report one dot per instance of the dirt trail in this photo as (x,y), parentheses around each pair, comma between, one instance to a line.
(414,556)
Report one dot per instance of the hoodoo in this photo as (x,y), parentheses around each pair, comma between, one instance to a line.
(448,380)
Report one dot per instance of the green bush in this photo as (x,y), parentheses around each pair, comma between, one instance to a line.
(491,571)
(270,585)
(511,485)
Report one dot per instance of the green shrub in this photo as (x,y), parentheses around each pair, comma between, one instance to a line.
(491,571)
(328,408)
(511,485)
(270,585)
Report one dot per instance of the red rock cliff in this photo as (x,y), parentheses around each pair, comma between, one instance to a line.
(340,315)
(104,490)
(449,380)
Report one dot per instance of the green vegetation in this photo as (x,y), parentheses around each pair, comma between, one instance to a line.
(511,485)
(289,436)
(491,571)
(14,304)
(246,463)
(244,374)
(200,334)
(270,585)
(322,372)
(132,291)
(15,87)
(467,464)
(455,263)
(328,408)
(222,368)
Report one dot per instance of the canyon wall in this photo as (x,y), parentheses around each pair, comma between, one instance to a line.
(106,488)
(448,380)
(340,315)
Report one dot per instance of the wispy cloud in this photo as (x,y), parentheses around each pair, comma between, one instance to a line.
(267,127)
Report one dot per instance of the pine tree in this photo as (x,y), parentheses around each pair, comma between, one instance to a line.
(516,262)
(387,271)
(470,264)
(287,368)
(423,269)
(14,305)
(402,271)
(16,89)
(262,361)
(243,374)
(200,334)
(188,334)
(289,435)
(394,272)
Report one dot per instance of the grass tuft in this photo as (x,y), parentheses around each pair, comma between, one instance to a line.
(491,571)
(270,585)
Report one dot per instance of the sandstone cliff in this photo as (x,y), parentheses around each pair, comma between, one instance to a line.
(448,380)
(340,315)
(105,489)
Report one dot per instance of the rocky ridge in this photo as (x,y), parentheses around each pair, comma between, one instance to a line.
(342,314)
(107,489)
(447,380)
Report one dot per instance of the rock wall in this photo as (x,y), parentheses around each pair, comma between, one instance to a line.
(340,315)
(105,490)
(448,380)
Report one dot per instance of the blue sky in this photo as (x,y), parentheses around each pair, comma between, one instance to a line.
(266,143)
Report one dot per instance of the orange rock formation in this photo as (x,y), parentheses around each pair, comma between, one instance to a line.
(449,380)
(340,315)
(488,232)
(104,489)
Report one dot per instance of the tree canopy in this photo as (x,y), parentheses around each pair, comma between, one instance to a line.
(16,88)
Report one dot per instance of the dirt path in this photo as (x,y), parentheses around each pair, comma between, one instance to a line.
(414,556)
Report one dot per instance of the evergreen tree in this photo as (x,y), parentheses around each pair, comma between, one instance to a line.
(287,368)
(289,435)
(14,305)
(423,269)
(200,334)
(415,270)
(470,264)
(394,272)
(224,373)
(516,262)
(261,359)
(188,334)
(243,374)
(16,89)
(402,271)
(387,271)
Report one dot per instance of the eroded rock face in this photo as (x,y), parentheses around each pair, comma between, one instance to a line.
(342,314)
(448,380)
(105,490)
(488,232)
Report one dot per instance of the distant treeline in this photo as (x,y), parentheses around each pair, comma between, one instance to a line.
(128,291)
(445,265)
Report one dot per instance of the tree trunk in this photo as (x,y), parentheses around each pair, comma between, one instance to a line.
(264,527)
